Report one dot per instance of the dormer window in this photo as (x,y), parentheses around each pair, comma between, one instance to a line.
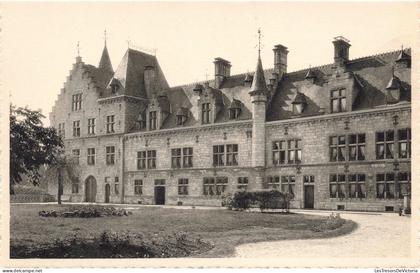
(299,103)
(152,120)
(235,109)
(205,113)
(141,120)
(338,100)
(115,85)
(181,116)
(393,90)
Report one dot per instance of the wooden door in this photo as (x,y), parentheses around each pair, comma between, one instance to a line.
(160,195)
(107,192)
(309,196)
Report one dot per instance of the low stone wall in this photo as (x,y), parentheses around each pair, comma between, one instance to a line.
(31,198)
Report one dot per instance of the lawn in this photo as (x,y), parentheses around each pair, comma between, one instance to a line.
(224,229)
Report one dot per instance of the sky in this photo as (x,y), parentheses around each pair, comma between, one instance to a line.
(39,45)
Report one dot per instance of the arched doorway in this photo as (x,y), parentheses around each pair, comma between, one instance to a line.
(107,192)
(90,189)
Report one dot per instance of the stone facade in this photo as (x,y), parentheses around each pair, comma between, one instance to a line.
(272,130)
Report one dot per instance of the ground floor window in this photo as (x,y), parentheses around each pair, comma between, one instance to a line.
(337,185)
(385,185)
(273,182)
(75,186)
(242,183)
(117,185)
(138,187)
(357,185)
(183,186)
(214,185)
(288,184)
(404,184)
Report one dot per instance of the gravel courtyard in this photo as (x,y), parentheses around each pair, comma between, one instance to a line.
(378,235)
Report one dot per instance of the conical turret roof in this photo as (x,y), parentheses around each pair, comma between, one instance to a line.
(105,62)
(258,84)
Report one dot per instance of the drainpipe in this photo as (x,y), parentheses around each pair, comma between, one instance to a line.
(122,168)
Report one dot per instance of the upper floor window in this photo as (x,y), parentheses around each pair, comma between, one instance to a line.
(76,102)
(205,113)
(91,126)
(110,122)
(61,129)
(152,120)
(225,155)
(183,186)
(138,187)
(187,157)
(357,147)
(110,155)
(176,158)
(76,128)
(91,156)
(290,153)
(404,143)
(76,155)
(338,100)
(146,159)
(181,157)
(385,145)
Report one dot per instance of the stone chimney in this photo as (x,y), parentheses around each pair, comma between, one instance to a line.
(221,71)
(341,50)
(280,59)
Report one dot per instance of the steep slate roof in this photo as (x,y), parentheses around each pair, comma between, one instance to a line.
(105,62)
(130,73)
(372,74)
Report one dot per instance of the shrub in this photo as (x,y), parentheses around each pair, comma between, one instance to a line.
(262,199)
(85,212)
(333,221)
(227,200)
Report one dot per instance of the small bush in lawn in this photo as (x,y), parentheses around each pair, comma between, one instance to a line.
(227,200)
(333,221)
(85,212)
(265,200)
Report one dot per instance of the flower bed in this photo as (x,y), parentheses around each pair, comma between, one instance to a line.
(84,212)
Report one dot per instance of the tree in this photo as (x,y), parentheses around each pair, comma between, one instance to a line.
(63,167)
(31,145)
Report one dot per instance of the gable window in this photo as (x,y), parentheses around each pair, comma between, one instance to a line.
(337,148)
(356,147)
(234,113)
(288,184)
(273,182)
(337,185)
(91,126)
(357,185)
(183,186)
(338,100)
(76,102)
(76,155)
(242,183)
(141,121)
(61,130)
(385,145)
(75,185)
(152,120)
(176,158)
(232,155)
(138,187)
(385,185)
(187,159)
(180,119)
(404,143)
(110,121)
(76,128)
(205,113)
(110,155)
(91,156)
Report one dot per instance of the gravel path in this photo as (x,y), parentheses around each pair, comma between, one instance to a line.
(377,236)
